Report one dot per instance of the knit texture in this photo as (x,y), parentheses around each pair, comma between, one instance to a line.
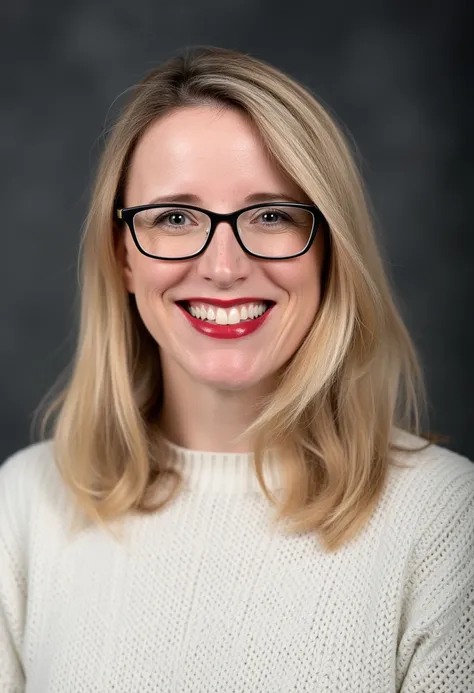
(208,596)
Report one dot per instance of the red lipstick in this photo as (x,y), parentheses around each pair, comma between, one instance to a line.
(211,329)
(224,302)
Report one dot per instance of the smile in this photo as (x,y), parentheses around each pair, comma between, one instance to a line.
(229,316)
(226,323)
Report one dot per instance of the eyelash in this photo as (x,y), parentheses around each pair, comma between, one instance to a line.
(184,213)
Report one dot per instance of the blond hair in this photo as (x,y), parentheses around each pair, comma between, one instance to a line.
(355,377)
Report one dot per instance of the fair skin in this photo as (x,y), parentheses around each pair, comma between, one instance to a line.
(212,386)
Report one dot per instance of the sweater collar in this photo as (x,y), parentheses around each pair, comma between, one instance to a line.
(226,472)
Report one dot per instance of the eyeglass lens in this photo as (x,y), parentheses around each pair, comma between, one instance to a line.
(276,231)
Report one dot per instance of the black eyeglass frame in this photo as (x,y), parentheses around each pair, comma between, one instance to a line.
(127,214)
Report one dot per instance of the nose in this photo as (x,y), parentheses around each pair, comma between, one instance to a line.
(224,262)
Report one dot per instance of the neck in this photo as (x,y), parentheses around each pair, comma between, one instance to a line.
(198,416)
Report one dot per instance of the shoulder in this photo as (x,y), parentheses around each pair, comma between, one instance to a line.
(434,461)
(435,515)
(33,460)
(434,490)
(29,477)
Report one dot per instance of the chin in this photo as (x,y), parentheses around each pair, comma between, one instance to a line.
(226,381)
(227,376)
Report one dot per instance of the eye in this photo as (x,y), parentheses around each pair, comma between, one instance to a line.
(163,219)
(176,218)
(272,215)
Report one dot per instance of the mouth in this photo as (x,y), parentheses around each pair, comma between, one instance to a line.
(242,313)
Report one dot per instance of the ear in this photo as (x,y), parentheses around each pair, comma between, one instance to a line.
(122,254)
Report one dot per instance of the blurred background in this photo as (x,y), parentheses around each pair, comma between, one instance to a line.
(397,74)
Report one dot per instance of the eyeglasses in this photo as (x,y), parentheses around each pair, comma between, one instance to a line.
(273,231)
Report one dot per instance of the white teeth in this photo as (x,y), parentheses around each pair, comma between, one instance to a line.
(221,317)
(232,316)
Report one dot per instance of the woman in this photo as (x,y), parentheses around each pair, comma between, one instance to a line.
(239,353)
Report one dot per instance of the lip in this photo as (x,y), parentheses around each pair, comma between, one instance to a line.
(211,329)
(225,303)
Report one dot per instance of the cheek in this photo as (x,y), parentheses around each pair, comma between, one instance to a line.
(144,275)
(307,279)
(154,277)
(301,279)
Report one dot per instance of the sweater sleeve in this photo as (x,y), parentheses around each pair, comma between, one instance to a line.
(12,579)
(436,650)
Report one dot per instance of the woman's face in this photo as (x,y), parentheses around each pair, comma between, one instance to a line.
(217,157)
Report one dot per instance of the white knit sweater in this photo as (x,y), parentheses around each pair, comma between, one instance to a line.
(208,596)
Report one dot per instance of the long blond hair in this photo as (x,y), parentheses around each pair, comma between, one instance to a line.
(354,379)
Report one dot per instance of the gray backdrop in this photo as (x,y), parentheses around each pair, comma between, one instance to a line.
(396,73)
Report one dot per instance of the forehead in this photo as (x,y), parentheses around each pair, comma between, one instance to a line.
(216,154)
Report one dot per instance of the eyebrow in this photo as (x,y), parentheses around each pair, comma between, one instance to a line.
(189,198)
